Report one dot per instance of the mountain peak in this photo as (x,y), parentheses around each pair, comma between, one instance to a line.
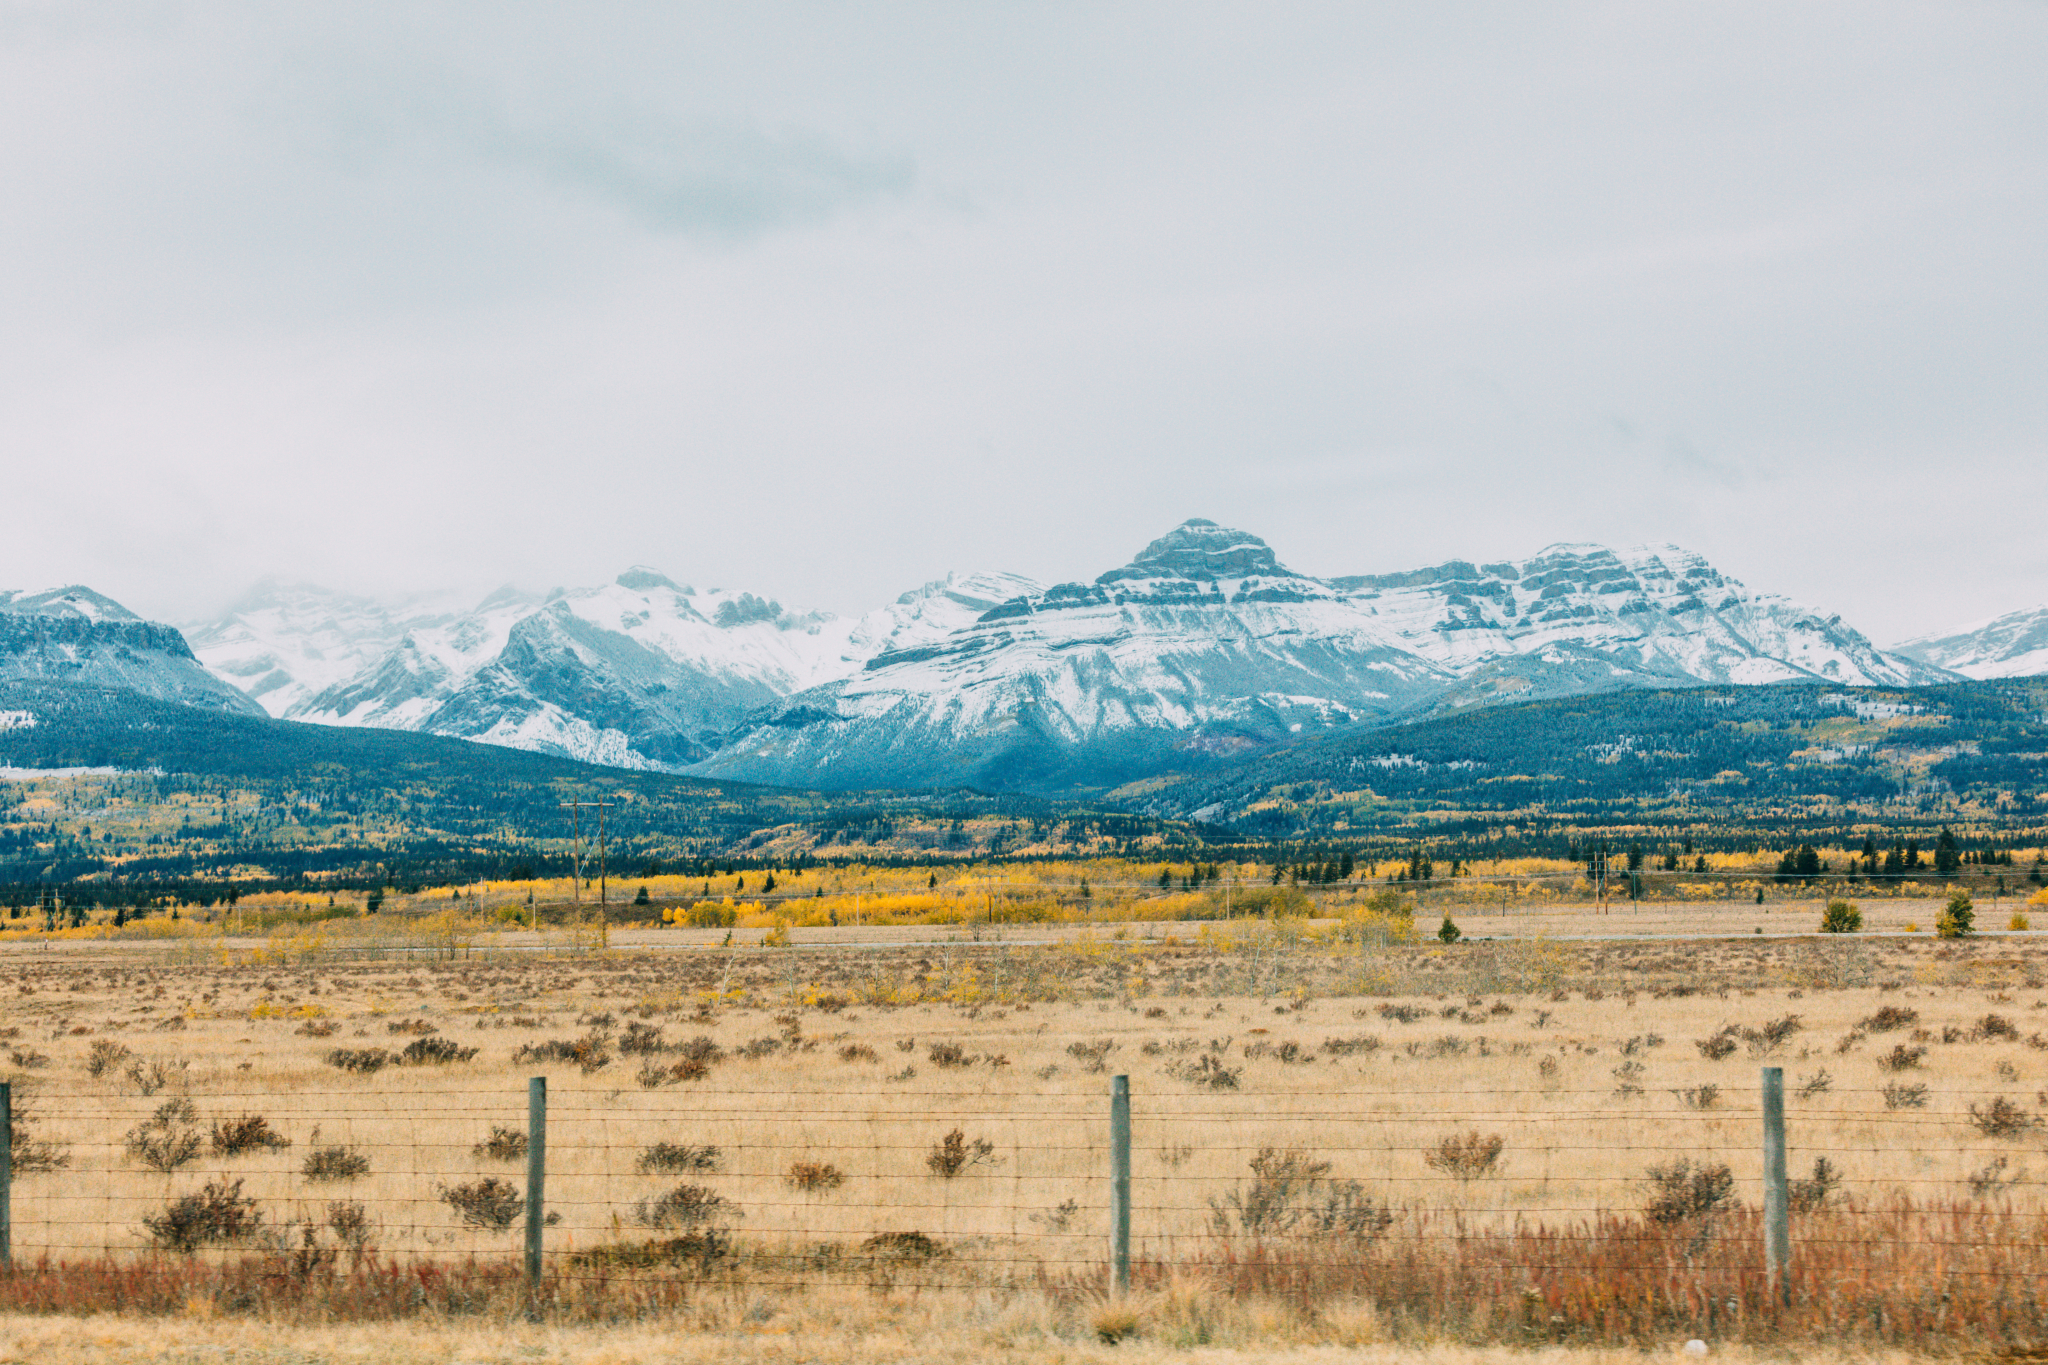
(74,600)
(1200,549)
(640,578)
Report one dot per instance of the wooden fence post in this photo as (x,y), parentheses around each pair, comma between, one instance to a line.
(1120,1181)
(1777,1197)
(536,1175)
(6,1175)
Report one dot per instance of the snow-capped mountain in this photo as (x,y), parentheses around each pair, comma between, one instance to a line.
(76,635)
(642,671)
(2014,645)
(282,643)
(1206,646)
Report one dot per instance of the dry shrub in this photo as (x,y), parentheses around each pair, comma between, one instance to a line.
(1364,1043)
(1993,1027)
(28,1059)
(317,1028)
(1683,1190)
(677,1158)
(248,1133)
(902,1246)
(103,1056)
(335,1163)
(167,1139)
(219,1215)
(685,1207)
(1900,1095)
(1206,1073)
(1768,1040)
(490,1203)
(1292,1193)
(30,1154)
(1720,1045)
(1402,1014)
(418,1028)
(814,1176)
(434,1052)
(367,1061)
(1902,1058)
(948,1054)
(1890,1018)
(654,1075)
(641,1040)
(1093,1056)
(1989,1179)
(149,1076)
(588,1052)
(504,1144)
(859,1052)
(1699,1096)
(1467,1157)
(2002,1118)
(955,1153)
(1811,1193)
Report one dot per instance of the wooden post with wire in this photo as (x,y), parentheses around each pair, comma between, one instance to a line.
(1120,1182)
(6,1176)
(536,1177)
(1777,1194)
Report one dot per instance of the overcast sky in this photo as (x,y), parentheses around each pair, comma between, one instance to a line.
(825,300)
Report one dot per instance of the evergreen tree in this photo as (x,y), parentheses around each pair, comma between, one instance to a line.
(1946,860)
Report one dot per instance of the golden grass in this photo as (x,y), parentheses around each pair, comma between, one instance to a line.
(1578,1056)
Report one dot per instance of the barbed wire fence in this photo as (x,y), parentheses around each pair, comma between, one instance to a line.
(1543,1213)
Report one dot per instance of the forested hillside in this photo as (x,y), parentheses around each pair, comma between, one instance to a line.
(1730,763)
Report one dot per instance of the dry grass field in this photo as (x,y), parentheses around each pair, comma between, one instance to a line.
(1335,1141)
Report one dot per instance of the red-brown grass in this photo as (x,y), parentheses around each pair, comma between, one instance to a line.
(1950,1276)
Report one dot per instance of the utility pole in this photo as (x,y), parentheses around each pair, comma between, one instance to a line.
(603,925)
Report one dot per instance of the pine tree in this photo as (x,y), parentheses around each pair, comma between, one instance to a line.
(1946,860)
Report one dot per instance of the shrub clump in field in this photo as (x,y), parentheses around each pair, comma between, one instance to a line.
(683,1208)
(1720,1045)
(1902,1058)
(812,1177)
(219,1215)
(104,1055)
(249,1133)
(1093,1056)
(2002,1118)
(1206,1073)
(653,1074)
(435,1051)
(677,1158)
(641,1040)
(366,1061)
(955,1153)
(1889,1019)
(1811,1193)
(1364,1043)
(149,1075)
(948,1054)
(588,1052)
(1292,1193)
(168,1139)
(318,1028)
(1841,918)
(1900,1095)
(30,1153)
(1994,1028)
(1402,1014)
(504,1144)
(489,1203)
(335,1163)
(859,1052)
(1683,1190)
(1700,1097)
(1469,1157)
(418,1028)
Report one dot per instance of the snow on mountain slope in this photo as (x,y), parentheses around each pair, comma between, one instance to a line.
(1205,646)
(641,671)
(2014,645)
(1652,613)
(76,635)
(282,643)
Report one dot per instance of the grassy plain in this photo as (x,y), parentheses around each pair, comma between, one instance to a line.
(1582,1057)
